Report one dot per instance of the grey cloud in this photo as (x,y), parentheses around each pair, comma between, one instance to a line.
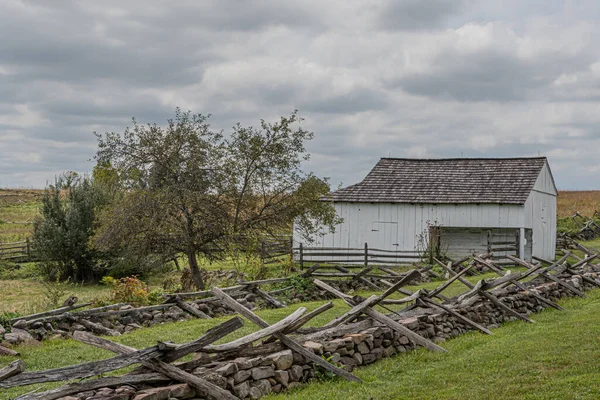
(417,14)
(73,67)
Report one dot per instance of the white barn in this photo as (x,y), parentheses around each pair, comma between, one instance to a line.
(501,204)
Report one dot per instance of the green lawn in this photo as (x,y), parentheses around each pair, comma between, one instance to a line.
(556,358)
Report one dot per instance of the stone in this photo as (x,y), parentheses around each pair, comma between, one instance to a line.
(348,361)
(262,373)
(35,325)
(255,393)
(105,391)
(242,390)
(126,307)
(295,373)
(403,340)
(161,393)
(2,330)
(410,323)
(282,377)
(227,369)
(357,337)
(84,395)
(77,327)
(243,363)
(17,336)
(216,379)
(20,324)
(299,358)
(369,358)
(314,346)
(263,385)
(181,391)
(115,396)
(283,359)
(362,348)
(277,388)
(242,375)
(357,358)
(333,345)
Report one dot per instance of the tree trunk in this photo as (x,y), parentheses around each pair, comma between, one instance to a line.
(196,274)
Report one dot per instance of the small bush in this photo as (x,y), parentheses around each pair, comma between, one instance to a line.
(5,318)
(55,292)
(128,290)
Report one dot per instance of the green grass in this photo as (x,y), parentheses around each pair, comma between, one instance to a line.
(556,358)
(18,209)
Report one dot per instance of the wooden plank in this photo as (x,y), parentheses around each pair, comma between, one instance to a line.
(210,336)
(158,366)
(451,272)
(563,284)
(253,337)
(307,317)
(5,351)
(406,279)
(312,269)
(360,278)
(456,315)
(291,344)
(191,310)
(354,312)
(92,326)
(383,319)
(12,369)
(79,387)
(268,298)
(79,371)
(418,339)
(445,285)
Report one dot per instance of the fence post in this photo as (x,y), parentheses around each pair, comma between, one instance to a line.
(292,248)
(366,255)
(28,249)
(301,256)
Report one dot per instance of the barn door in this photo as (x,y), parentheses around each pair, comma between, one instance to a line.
(384,235)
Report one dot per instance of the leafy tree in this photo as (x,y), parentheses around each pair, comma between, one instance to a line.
(191,190)
(61,235)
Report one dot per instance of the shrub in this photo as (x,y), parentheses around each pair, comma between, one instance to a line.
(55,292)
(128,290)
(61,235)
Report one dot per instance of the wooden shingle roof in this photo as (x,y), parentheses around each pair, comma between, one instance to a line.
(446,181)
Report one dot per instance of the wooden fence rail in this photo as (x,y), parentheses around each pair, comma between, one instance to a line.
(360,257)
(15,251)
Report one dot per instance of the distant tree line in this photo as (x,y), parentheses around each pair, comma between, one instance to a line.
(158,193)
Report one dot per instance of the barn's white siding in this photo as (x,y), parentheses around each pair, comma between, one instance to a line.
(540,215)
(398,226)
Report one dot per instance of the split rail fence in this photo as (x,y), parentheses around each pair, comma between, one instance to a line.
(156,362)
(15,251)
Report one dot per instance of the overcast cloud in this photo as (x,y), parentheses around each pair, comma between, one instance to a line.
(408,78)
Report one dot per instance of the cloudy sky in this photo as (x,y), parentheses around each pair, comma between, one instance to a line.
(406,78)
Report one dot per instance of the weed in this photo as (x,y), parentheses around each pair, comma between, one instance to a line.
(55,291)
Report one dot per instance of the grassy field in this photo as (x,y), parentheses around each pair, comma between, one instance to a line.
(18,209)
(556,358)
(586,202)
